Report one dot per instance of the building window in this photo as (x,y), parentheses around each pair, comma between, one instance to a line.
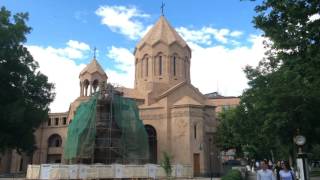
(54,141)
(56,121)
(195,131)
(186,68)
(160,65)
(49,122)
(64,120)
(141,70)
(147,65)
(174,65)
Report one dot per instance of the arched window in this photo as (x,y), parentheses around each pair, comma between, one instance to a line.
(147,67)
(195,131)
(95,85)
(152,139)
(160,65)
(141,68)
(186,69)
(174,66)
(54,141)
(85,86)
(136,68)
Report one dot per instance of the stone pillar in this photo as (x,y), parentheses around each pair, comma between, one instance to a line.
(90,85)
(81,89)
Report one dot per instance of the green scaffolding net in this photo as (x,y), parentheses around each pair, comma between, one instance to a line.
(134,138)
(86,140)
(82,131)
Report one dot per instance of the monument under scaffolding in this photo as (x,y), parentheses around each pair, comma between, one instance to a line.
(107,129)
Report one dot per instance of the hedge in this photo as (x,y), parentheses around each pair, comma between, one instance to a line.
(232,175)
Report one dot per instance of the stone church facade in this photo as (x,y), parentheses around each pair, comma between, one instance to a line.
(179,119)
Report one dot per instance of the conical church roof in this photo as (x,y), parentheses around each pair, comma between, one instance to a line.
(93,67)
(162,31)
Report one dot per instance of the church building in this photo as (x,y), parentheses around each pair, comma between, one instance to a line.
(178,118)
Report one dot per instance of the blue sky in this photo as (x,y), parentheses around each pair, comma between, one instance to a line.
(219,32)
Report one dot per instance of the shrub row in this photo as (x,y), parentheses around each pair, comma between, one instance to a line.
(232,175)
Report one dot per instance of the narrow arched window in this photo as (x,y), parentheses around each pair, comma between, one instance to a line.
(174,66)
(147,67)
(195,131)
(141,70)
(160,65)
(186,69)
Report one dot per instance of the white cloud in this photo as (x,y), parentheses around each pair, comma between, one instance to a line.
(74,50)
(221,34)
(122,19)
(61,70)
(124,60)
(236,33)
(206,35)
(197,36)
(220,68)
(78,45)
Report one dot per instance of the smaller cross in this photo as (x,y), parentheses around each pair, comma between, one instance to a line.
(162,7)
(94,52)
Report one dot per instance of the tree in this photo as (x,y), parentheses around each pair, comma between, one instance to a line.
(284,90)
(288,80)
(25,93)
(315,152)
(166,164)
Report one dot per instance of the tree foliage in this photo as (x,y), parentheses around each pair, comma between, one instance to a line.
(24,92)
(166,164)
(315,152)
(284,92)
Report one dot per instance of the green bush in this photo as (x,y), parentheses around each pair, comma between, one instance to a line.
(232,175)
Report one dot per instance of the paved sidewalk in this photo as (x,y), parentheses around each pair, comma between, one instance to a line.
(315,178)
(253,176)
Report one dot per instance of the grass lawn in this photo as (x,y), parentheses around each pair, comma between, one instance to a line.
(315,172)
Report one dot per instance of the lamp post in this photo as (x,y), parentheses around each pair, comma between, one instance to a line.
(302,160)
(210,158)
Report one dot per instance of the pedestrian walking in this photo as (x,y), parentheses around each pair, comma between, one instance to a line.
(277,169)
(286,173)
(264,173)
(270,164)
(257,165)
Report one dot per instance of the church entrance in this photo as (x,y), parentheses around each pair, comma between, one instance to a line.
(196,164)
(152,140)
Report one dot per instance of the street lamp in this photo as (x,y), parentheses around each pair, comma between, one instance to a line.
(210,158)
(302,160)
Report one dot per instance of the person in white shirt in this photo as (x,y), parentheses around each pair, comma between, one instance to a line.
(264,173)
(286,173)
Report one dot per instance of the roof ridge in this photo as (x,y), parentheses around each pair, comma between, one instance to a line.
(162,31)
(93,66)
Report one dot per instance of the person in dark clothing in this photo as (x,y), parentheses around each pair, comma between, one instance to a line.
(277,169)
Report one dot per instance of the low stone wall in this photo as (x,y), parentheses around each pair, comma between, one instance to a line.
(80,171)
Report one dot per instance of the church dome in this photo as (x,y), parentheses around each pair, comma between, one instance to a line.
(93,67)
(162,31)
(91,77)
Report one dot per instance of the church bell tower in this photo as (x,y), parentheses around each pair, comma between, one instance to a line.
(162,58)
